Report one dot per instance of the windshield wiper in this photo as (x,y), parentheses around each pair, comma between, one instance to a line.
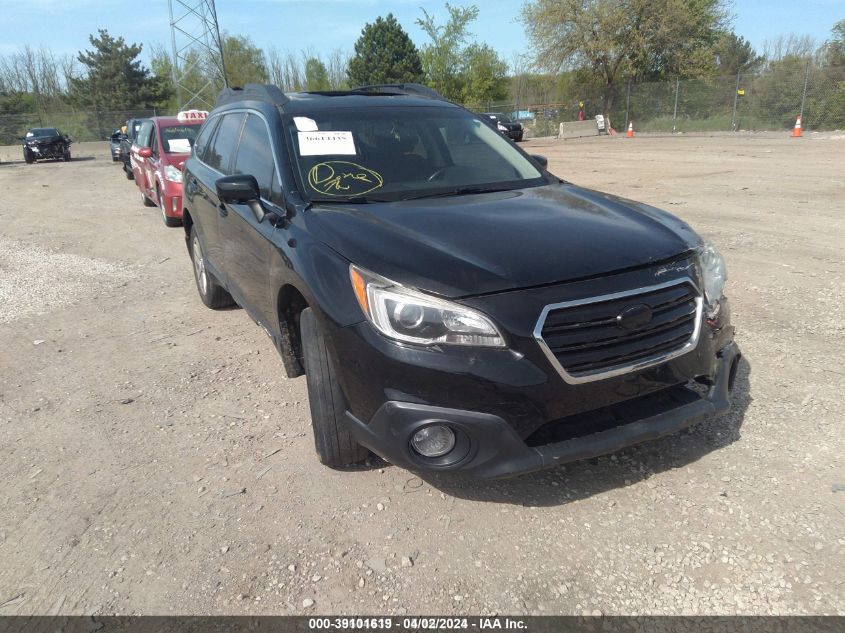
(459,191)
(350,200)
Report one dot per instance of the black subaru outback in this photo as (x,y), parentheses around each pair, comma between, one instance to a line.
(453,305)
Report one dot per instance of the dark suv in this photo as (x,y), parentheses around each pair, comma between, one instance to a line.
(133,126)
(45,143)
(454,306)
(508,127)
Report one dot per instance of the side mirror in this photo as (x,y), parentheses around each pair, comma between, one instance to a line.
(241,189)
(541,160)
(145,152)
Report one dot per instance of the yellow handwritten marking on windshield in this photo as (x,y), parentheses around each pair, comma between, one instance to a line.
(342,178)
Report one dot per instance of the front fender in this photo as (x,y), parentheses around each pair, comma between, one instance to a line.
(308,274)
(321,276)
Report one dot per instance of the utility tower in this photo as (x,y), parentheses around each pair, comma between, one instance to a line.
(199,69)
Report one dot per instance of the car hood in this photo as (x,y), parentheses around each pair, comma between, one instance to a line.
(44,139)
(177,160)
(492,242)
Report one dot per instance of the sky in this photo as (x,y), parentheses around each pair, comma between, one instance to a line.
(323,25)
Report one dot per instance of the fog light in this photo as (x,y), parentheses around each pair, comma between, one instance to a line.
(433,441)
(175,204)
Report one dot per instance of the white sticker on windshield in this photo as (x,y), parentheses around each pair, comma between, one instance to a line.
(179,146)
(326,144)
(304,124)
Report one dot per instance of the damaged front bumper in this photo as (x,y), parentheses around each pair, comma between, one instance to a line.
(491,448)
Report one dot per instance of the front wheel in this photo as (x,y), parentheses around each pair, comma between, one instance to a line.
(28,156)
(213,295)
(146,201)
(67,155)
(332,439)
(127,171)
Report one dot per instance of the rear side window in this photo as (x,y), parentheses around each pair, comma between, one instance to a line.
(219,153)
(205,135)
(255,154)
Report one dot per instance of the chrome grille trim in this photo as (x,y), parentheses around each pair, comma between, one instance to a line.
(630,367)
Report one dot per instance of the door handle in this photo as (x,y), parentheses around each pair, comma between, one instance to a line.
(222,210)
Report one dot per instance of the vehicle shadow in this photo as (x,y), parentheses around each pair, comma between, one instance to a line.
(584,479)
(75,159)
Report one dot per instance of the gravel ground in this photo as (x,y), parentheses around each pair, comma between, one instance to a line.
(153,459)
(27,288)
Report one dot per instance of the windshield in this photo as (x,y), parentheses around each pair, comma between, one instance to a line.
(501,118)
(401,153)
(43,131)
(179,139)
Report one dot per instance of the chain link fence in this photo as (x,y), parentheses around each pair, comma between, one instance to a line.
(769,100)
(746,102)
(79,126)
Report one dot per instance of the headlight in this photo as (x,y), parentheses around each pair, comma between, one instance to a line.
(714,273)
(502,128)
(408,315)
(172,174)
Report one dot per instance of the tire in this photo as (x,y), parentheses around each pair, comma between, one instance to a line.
(28,156)
(168,221)
(146,201)
(127,171)
(332,439)
(213,295)
(67,156)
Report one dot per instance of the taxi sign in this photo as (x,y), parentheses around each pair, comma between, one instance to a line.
(192,115)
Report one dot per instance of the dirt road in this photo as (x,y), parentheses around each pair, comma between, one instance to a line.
(153,458)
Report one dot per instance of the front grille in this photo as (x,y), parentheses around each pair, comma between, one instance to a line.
(585,340)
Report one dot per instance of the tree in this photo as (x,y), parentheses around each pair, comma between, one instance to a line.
(244,61)
(734,54)
(162,73)
(38,72)
(316,75)
(826,97)
(115,78)
(615,39)
(442,59)
(285,71)
(833,50)
(336,66)
(485,76)
(791,45)
(384,54)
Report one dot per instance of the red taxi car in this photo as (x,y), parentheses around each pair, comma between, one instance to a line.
(157,155)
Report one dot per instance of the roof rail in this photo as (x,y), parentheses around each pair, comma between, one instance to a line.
(418,90)
(252,92)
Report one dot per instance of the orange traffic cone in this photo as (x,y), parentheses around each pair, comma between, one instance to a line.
(796,131)
(630,133)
